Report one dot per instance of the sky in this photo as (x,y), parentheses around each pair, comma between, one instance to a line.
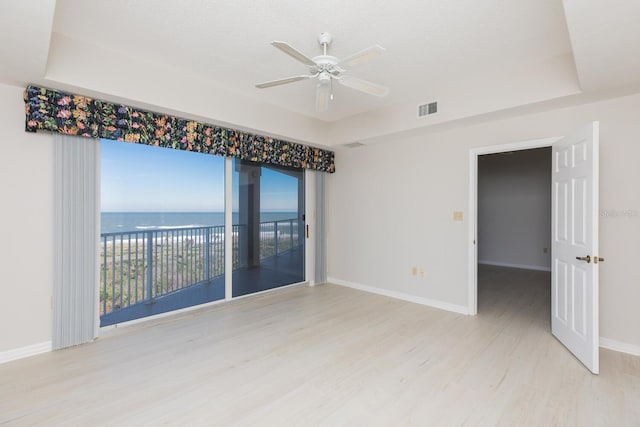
(137,177)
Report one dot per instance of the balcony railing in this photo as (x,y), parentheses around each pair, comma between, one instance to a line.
(139,266)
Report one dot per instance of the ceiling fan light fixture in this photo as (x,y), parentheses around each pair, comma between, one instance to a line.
(323,95)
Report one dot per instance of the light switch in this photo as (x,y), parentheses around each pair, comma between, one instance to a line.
(457,216)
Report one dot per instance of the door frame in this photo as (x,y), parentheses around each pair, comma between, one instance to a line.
(474,153)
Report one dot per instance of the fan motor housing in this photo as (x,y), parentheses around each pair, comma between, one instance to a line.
(326,63)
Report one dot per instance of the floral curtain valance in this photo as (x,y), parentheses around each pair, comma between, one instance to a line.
(51,110)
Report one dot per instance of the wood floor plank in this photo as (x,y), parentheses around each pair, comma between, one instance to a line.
(330,355)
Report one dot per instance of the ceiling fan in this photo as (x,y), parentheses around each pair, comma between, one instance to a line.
(327,69)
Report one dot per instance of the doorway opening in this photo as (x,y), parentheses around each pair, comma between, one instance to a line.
(514,235)
(474,160)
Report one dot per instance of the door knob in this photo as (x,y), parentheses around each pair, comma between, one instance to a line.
(584,258)
(597,259)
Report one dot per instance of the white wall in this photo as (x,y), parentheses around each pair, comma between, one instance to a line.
(26,227)
(514,209)
(391,207)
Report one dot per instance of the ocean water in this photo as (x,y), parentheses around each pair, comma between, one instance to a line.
(112,222)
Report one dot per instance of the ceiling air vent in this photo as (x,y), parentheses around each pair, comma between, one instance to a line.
(426,109)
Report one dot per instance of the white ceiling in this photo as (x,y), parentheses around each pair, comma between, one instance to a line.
(474,57)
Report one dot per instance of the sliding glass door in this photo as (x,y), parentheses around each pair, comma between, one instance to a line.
(163,237)
(268,227)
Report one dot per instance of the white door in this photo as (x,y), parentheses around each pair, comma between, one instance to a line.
(574,288)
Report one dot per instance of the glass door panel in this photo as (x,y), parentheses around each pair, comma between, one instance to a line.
(268,227)
(162,230)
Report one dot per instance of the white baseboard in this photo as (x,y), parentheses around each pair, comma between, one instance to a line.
(22,352)
(521,266)
(604,342)
(622,347)
(402,296)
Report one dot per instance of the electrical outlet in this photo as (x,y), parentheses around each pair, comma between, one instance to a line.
(422,272)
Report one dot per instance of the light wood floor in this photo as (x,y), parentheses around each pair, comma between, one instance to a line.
(331,356)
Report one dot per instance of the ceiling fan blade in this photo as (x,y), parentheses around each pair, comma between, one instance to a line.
(323,91)
(282,81)
(362,56)
(364,86)
(294,53)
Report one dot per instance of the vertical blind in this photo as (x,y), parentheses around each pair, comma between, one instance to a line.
(321,231)
(76,237)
